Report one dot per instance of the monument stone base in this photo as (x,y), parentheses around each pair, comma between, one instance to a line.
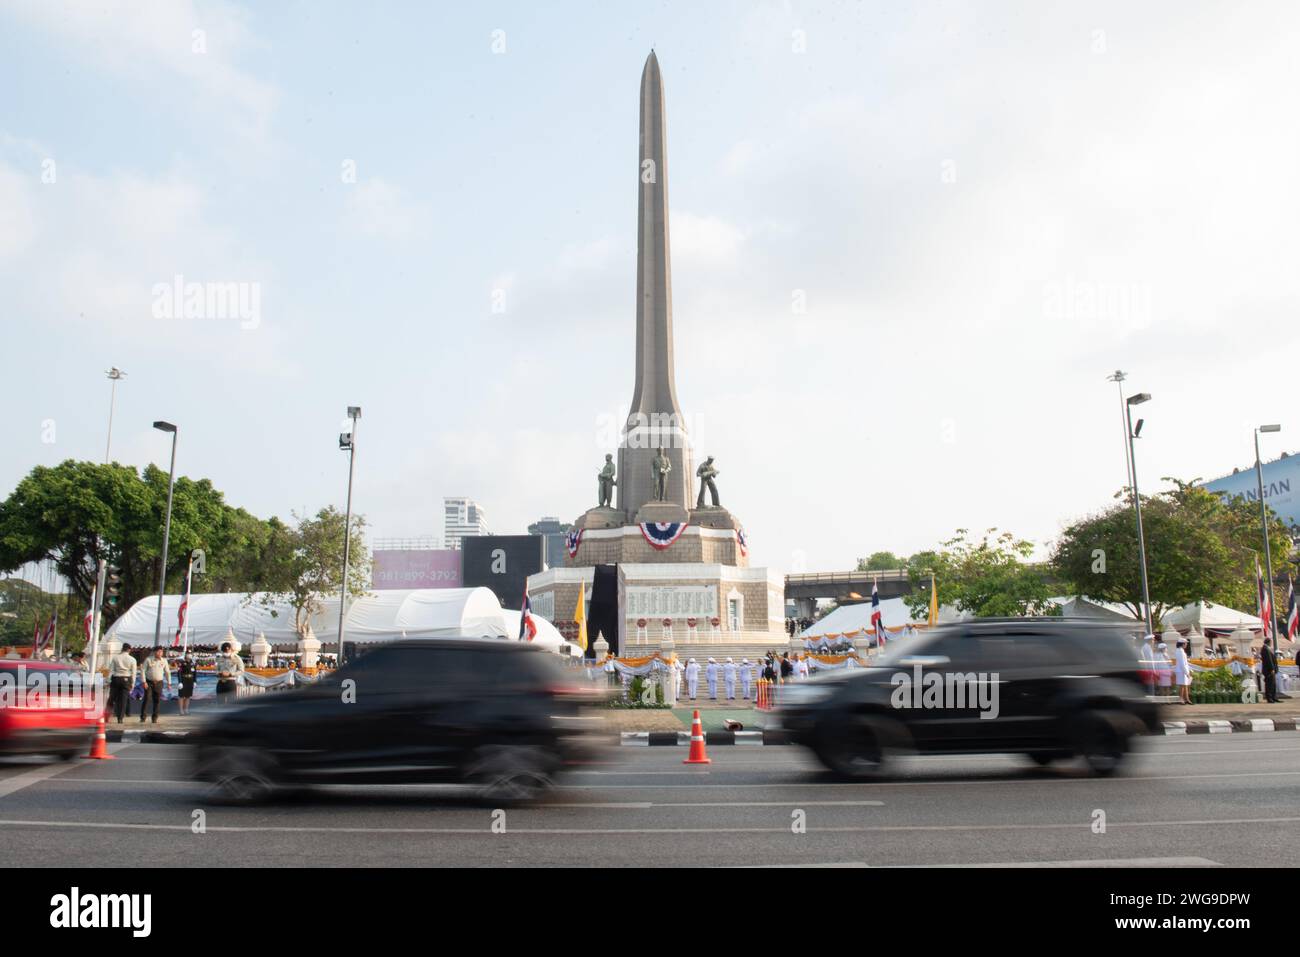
(713,517)
(662,512)
(601,517)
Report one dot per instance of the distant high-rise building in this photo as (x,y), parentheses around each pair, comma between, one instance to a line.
(462,518)
(553,530)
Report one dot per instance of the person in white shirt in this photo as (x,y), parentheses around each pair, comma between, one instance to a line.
(229,667)
(156,674)
(692,677)
(1183,673)
(711,676)
(729,678)
(122,669)
(746,677)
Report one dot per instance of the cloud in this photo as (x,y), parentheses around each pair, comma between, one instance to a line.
(381,210)
(199,44)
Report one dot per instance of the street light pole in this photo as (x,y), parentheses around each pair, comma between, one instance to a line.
(114,374)
(167,531)
(1263,521)
(1118,378)
(347,442)
(1137,504)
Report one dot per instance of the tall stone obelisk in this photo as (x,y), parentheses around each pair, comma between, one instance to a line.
(655,420)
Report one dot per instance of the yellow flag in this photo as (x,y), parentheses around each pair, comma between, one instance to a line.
(934,603)
(580,616)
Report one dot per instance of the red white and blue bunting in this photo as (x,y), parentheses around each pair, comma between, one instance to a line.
(742,543)
(571,542)
(662,534)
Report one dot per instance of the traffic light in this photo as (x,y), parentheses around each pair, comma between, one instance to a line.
(112,586)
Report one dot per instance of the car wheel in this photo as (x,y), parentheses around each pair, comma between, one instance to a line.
(1101,741)
(852,746)
(241,776)
(511,774)
(1042,758)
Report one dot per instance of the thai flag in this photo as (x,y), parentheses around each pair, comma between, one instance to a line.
(877,622)
(1292,612)
(527,627)
(1265,602)
(46,639)
(185,606)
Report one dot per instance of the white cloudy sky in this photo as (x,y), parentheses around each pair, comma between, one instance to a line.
(987,207)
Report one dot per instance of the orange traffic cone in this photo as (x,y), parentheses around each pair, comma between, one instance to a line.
(99,747)
(697,755)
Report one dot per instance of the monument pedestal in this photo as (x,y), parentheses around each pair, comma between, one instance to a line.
(713,517)
(662,513)
(600,517)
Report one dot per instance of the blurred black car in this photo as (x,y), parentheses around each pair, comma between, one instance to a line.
(1049,688)
(500,715)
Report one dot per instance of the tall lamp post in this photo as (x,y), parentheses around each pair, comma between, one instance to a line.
(115,375)
(348,443)
(1118,378)
(1137,499)
(1263,521)
(167,531)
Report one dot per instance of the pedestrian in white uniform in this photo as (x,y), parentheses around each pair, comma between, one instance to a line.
(711,676)
(803,667)
(746,676)
(729,678)
(678,671)
(692,677)
(1183,673)
(1163,669)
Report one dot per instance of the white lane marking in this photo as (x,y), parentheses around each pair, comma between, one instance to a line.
(1018,781)
(330,829)
(1103,862)
(41,773)
(644,805)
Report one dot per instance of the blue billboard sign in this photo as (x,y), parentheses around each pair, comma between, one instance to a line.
(1281,487)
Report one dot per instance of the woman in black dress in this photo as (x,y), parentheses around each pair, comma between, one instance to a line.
(186,673)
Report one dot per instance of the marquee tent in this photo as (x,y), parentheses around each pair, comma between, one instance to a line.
(1081,606)
(379,616)
(854,620)
(548,636)
(1207,615)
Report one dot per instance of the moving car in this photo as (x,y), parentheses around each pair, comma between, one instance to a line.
(44,710)
(501,715)
(1048,688)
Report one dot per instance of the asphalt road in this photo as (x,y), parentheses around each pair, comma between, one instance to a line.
(1209,799)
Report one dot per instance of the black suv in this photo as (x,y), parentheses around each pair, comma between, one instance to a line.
(1049,688)
(501,715)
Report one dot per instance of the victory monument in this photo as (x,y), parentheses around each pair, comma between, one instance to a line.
(684,564)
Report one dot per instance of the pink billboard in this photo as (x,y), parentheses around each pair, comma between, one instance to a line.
(408,568)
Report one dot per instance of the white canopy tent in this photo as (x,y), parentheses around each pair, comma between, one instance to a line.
(548,636)
(378,616)
(854,619)
(1081,606)
(1205,614)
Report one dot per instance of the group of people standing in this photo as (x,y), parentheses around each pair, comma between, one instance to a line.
(747,673)
(154,672)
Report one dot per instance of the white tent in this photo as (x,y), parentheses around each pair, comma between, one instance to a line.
(1205,614)
(855,620)
(427,613)
(378,616)
(1081,606)
(548,636)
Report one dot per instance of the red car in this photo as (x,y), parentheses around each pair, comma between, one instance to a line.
(46,707)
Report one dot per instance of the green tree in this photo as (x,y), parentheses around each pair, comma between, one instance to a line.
(305,564)
(988,578)
(77,513)
(880,561)
(1198,548)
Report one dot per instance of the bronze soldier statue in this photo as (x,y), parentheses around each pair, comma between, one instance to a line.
(605,482)
(659,468)
(706,473)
